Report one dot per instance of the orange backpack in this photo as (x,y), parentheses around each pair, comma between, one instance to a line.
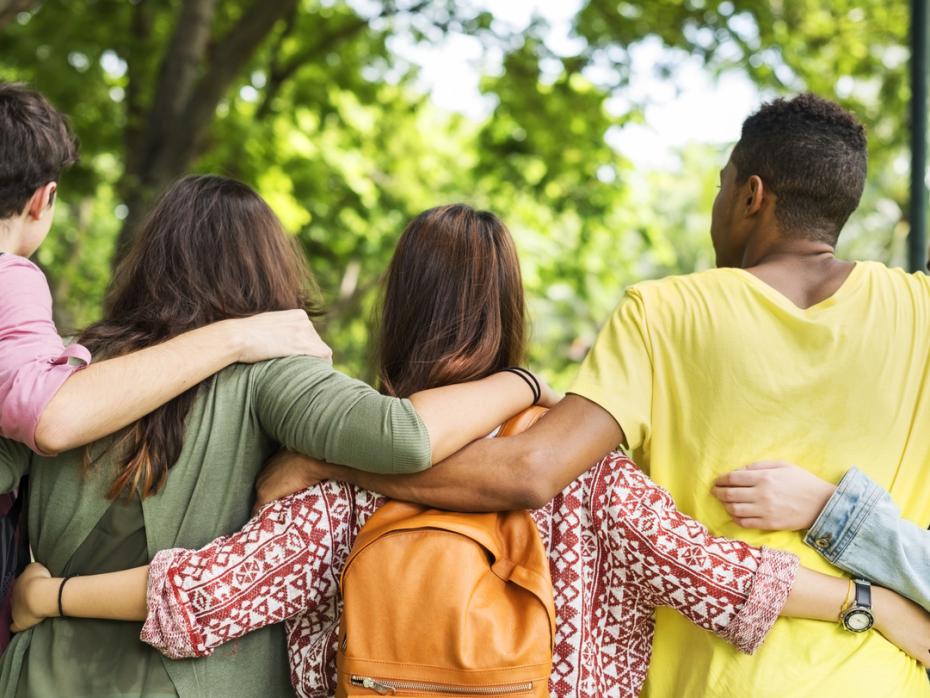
(438,603)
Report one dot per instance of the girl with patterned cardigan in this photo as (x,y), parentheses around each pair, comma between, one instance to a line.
(618,547)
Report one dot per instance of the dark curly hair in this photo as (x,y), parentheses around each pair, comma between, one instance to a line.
(36,145)
(812,154)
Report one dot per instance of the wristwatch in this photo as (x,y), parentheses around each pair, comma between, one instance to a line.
(857,616)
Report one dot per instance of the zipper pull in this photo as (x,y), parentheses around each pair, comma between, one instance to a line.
(379,688)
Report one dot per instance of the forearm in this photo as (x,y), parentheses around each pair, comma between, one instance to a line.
(519,472)
(469,481)
(456,415)
(861,531)
(107,396)
(816,596)
(292,542)
(112,596)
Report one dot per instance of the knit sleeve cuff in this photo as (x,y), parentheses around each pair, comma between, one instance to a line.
(170,625)
(767,596)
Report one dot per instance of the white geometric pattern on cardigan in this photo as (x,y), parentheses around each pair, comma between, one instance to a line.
(618,548)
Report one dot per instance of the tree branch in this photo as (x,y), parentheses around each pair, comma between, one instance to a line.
(232,54)
(140,32)
(272,85)
(279,74)
(178,74)
(184,106)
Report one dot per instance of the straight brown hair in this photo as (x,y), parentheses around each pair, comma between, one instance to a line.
(210,250)
(454,308)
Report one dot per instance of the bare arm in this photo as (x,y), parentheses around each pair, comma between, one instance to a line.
(519,472)
(107,396)
(903,623)
(293,541)
(455,415)
(112,596)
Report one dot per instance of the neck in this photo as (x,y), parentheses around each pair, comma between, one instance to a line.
(11,234)
(804,271)
(787,252)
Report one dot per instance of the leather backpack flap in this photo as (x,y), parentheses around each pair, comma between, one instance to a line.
(426,605)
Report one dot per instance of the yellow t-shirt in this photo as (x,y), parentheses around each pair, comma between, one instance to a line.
(711,371)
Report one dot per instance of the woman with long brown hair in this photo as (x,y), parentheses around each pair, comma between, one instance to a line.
(618,547)
(211,249)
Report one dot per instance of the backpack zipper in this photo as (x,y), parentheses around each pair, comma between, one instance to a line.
(386,687)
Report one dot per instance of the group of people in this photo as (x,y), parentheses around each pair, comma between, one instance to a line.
(774,410)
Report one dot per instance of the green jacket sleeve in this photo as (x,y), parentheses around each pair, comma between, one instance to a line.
(309,407)
(14,463)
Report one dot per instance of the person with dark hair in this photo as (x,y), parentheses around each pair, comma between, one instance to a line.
(617,546)
(48,399)
(784,351)
(811,155)
(211,249)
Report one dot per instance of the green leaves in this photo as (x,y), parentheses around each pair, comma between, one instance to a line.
(329,124)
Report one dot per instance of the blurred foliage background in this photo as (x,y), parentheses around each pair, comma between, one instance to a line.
(311,102)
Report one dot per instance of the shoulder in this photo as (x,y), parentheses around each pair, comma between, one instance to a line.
(895,292)
(20,268)
(10,262)
(275,370)
(19,276)
(674,297)
(241,383)
(292,365)
(876,272)
(685,285)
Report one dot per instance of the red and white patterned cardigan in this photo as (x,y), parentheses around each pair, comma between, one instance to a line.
(618,548)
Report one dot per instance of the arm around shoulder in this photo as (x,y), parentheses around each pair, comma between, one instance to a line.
(518,472)
(309,407)
(110,395)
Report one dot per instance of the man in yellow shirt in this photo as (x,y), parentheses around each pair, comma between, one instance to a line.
(782,352)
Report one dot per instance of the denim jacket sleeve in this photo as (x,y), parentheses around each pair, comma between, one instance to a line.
(860,530)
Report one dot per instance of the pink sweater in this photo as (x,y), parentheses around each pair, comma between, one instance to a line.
(33,359)
(618,548)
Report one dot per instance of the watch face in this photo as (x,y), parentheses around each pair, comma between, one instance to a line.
(858,620)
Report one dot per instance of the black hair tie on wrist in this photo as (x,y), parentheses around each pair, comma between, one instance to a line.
(61,611)
(530,381)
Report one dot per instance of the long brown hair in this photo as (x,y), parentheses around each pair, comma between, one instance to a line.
(211,249)
(453,307)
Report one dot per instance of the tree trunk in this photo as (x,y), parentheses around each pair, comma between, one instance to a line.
(190,86)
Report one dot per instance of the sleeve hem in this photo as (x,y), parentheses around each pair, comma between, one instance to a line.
(412,450)
(64,370)
(169,626)
(838,523)
(770,588)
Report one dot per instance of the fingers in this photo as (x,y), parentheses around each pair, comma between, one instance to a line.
(768,465)
(740,478)
(743,505)
(741,510)
(753,522)
(735,494)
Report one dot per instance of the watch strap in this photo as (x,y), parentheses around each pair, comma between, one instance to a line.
(863,593)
